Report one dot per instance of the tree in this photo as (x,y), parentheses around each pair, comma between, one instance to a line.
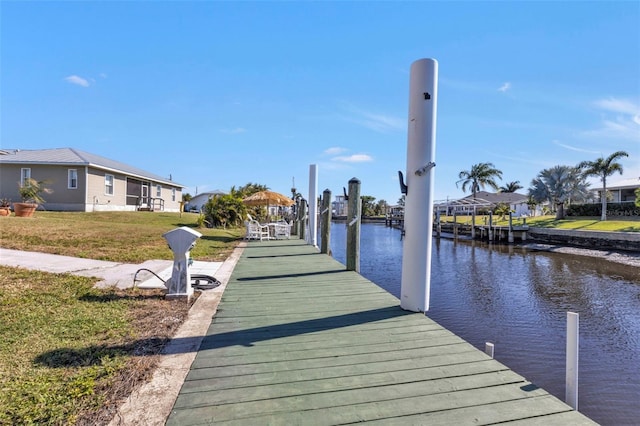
(602,168)
(559,186)
(511,187)
(480,175)
(502,209)
(381,207)
(402,200)
(248,189)
(224,210)
(368,205)
(637,192)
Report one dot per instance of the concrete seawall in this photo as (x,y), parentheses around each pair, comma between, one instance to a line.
(592,239)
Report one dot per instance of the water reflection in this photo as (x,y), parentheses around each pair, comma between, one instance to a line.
(518,300)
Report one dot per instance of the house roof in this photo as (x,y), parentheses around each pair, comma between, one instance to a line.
(498,197)
(627,183)
(76,157)
(209,193)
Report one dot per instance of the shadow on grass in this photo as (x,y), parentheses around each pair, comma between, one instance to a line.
(112,297)
(221,238)
(94,355)
(631,229)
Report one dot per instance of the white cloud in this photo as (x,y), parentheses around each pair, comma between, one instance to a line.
(505,87)
(334,150)
(355,158)
(74,79)
(573,148)
(618,105)
(235,131)
(621,120)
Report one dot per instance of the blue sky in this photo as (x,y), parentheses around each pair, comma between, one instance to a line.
(217,94)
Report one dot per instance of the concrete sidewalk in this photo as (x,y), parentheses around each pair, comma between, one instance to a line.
(111,274)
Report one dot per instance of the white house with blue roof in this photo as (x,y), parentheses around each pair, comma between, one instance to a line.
(81,181)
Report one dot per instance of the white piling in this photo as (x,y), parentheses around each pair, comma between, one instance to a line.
(489,349)
(571,391)
(312,237)
(421,144)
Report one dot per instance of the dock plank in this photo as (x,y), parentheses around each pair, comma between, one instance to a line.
(299,340)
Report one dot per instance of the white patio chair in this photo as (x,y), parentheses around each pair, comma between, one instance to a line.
(282,230)
(255,231)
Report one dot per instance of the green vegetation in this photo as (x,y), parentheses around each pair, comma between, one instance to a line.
(549,221)
(603,168)
(480,175)
(511,186)
(559,185)
(71,352)
(31,191)
(130,237)
(585,224)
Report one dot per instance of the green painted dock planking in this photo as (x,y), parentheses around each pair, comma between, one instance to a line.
(298,340)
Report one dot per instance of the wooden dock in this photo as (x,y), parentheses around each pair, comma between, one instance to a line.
(297,340)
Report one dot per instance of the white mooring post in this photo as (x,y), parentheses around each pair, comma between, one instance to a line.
(421,148)
(489,349)
(571,391)
(312,238)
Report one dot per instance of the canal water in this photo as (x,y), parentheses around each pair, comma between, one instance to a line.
(518,300)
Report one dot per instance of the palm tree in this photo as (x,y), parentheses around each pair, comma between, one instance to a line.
(511,187)
(478,177)
(559,185)
(603,167)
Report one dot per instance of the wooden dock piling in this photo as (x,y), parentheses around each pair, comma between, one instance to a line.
(353,226)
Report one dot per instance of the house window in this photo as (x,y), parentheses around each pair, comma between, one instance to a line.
(158,191)
(72,179)
(25,175)
(108,184)
(173,194)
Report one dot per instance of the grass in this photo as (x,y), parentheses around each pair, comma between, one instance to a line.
(129,237)
(71,353)
(578,223)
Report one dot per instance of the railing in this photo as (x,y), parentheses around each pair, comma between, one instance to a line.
(150,204)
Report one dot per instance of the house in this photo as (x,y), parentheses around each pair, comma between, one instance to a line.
(486,200)
(197,202)
(622,190)
(81,181)
(339,206)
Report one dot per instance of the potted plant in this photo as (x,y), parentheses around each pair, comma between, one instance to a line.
(5,207)
(31,194)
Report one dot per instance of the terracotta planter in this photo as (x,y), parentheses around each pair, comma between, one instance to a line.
(24,209)
(5,211)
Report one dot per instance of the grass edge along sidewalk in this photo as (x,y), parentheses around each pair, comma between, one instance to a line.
(152,402)
(299,340)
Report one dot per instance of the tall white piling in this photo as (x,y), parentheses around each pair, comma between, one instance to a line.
(571,390)
(312,237)
(418,209)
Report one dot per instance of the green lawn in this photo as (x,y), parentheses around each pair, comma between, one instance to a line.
(580,223)
(70,353)
(130,237)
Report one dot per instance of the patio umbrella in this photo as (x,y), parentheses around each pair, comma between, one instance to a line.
(268,198)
